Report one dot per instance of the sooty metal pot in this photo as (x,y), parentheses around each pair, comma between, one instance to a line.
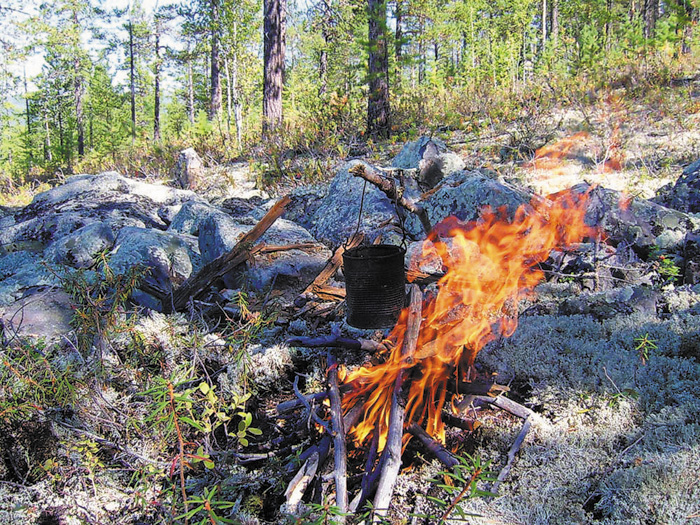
(375,285)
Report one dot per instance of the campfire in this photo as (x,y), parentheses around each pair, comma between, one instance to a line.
(426,364)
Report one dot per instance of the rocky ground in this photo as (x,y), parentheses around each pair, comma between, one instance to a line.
(111,408)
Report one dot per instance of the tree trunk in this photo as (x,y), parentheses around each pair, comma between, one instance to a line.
(132,81)
(651,15)
(273,56)
(398,44)
(378,101)
(323,62)
(215,92)
(691,14)
(156,90)
(79,113)
(190,91)
(544,25)
(555,23)
(48,156)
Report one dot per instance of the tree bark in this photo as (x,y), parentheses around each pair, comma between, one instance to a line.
(544,24)
(156,91)
(132,81)
(651,15)
(398,43)
(78,87)
(378,110)
(274,48)
(190,91)
(215,90)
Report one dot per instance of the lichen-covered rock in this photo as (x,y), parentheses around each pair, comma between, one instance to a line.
(81,248)
(335,219)
(190,217)
(219,233)
(40,313)
(463,195)
(19,271)
(685,194)
(606,305)
(691,256)
(170,258)
(431,158)
(635,222)
(305,202)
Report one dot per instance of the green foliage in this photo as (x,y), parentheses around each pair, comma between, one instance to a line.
(644,344)
(100,296)
(32,379)
(459,484)
(665,265)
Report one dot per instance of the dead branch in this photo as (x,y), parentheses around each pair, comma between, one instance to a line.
(300,482)
(434,447)
(243,250)
(389,188)
(392,449)
(334,263)
(312,412)
(339,449)
(335,341)
(506,404)
(293,404)
(514,449)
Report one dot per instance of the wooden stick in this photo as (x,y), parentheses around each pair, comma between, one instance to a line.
(392,450)
(514,449)
(300,482)
(334,263)
(339,449)
(335,341)
(370,477)
(243,249)
(506,404)
(307,405)
(435,448)
(389,188)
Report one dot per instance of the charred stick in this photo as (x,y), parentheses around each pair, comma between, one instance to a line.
(370,477)
(514,449)
(334,341)
(339,449)
(392,450)
(307,405)
(435,448)
(389,188)
(293,404)
(465,424)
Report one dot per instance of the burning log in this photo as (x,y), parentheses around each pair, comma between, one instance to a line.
(389,188)
(392,450)
(242,251)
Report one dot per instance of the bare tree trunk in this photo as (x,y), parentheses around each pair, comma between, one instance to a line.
(555,23)
(48,156)
(323,62)
(156,92)
(215,91)
(190,91)
(398,43)
(544,24)
(274,50)
(29,120)
(651,15)
(691,15)
(78,87)
(132,81)
(227,71)
(378,101)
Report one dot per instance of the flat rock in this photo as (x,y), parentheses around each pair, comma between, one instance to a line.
(40,313)
(430,158)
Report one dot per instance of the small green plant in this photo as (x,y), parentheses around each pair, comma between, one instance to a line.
(643,344)
(318,514)
(206,507)
(665,265)
(626,393)
(459,484)
(99,296)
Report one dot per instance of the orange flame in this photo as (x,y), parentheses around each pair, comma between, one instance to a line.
(491,264)
(550,156)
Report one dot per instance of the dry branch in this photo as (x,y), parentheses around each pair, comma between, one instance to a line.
(300,482)
(514,449)
(339,449)
(434,447)
(335,341)
(332,265)
(505,404)
(391,456)
(389,188)
(241,252)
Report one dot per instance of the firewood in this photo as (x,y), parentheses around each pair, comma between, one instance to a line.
(506,404)
(334,341)
(514,449)
(389,188)
(202,280)
(300,482)
(434,447)
(339,449)
(392,449)
(312,412)
(334,263)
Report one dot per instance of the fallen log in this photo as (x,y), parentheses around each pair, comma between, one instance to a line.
(389,188)
(242,251)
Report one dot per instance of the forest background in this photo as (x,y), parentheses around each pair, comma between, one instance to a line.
(273,81)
